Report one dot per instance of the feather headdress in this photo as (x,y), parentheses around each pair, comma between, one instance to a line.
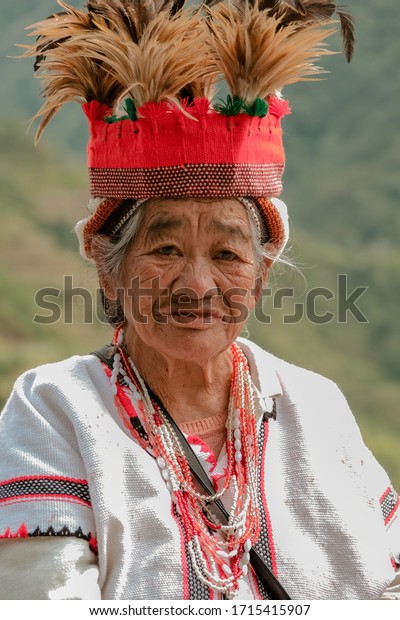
(156,51)
(145,71)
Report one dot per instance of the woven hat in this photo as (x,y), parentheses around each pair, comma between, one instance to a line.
(146,73)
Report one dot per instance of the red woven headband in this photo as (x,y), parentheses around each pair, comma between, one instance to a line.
(166,153)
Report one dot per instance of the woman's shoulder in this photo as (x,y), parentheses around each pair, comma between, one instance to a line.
(312,397)
(305,397)
(59,381)
(75,367)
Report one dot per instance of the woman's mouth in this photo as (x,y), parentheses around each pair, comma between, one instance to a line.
(196,318)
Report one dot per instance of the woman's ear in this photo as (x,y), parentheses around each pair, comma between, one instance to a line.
(258,289)
(266,266)
(98,249)
(262,279)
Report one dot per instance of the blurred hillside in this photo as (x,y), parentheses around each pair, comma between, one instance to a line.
(341,184)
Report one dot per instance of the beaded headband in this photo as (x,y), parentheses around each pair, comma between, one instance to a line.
(146,72)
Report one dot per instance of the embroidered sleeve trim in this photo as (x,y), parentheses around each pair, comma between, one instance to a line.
(43,488)
(23,532)
(390,503)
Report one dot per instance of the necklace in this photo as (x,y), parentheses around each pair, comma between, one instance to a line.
(219,551)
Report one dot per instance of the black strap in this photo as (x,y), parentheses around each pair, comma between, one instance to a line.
(271,584)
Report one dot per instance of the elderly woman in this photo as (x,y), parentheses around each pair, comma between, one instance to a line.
(182,462)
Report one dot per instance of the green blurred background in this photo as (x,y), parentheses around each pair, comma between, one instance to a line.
(342,186)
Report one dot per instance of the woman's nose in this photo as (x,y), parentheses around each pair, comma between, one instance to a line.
(196,279)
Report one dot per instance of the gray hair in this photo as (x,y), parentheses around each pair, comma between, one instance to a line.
(113,252)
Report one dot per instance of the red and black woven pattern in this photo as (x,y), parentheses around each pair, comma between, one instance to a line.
(390,503)
(189,180)
(43,487)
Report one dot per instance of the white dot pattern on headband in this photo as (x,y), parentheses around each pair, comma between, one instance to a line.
(251,208)
(192,180)
(126,216)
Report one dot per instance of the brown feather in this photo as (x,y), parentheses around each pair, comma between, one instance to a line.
(347,24)
(170,55)
(304,12)
(296,5)
(56,29)
(118,16)
(265,5)
(257,56)
(75,78)
(314,12)
(103,57)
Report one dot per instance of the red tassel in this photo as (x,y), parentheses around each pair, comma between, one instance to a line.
(154,111)
(176,110)
(278,107)
(201,107)
(96,111)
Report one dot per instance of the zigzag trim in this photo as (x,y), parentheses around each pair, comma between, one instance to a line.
(23,532)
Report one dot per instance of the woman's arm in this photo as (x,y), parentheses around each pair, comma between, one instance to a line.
(48,568)
(47,527)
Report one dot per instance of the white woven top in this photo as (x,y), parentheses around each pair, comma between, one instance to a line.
(330,513)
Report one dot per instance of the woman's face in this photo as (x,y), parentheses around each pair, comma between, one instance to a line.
(189,279)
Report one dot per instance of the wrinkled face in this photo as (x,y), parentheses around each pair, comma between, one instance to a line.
(190,277)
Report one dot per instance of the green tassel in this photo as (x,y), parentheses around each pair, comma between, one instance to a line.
(235,105)
(130,109)
(115,119)
(231,107)
(259,107)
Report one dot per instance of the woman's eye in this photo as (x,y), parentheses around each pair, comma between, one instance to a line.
(167,250)
(226,255)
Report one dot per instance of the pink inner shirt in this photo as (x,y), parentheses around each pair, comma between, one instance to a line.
(211,430)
